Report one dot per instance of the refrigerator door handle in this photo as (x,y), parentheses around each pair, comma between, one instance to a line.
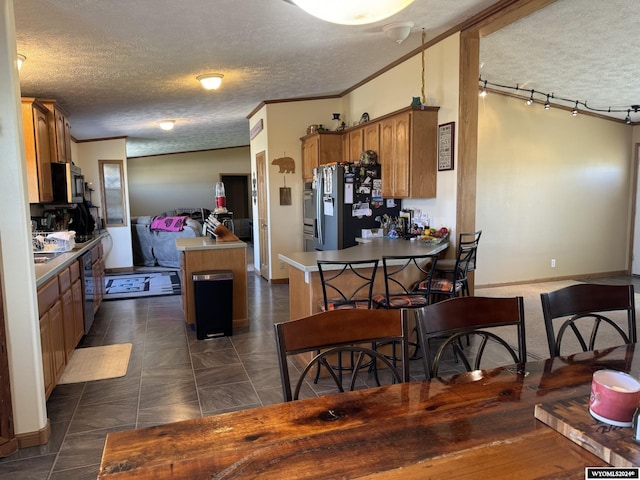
(319,189)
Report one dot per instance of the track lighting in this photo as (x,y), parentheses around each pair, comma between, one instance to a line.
(547,104)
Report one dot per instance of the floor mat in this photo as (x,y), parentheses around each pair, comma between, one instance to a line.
(97,363)
(135,285)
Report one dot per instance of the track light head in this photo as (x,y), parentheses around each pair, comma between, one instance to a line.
(574,112)
(530,101)
(627,119)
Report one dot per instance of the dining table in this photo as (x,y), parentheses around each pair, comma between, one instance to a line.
(479,424)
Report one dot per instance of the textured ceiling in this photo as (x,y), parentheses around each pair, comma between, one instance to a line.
(119,67)
(582,50)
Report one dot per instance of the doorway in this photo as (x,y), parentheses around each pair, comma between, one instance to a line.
(263,228)
(236,189)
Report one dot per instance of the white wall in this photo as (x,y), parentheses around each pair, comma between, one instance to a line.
(185,180)
(16,263)
(118,252)
(550,186)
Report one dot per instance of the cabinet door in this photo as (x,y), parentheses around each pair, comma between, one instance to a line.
(61,144)
(402,152)
(67,140)
(356,141)
(47,353)
(386,157)
(309,156)
(43,156)
(371,139)
(57,339)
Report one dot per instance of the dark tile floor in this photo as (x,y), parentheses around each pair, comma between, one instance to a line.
(171,376)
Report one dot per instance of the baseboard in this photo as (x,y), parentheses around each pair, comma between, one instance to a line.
(586,276)
(33,439)
(279,281)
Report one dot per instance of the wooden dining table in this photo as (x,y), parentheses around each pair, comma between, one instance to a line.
(475,425)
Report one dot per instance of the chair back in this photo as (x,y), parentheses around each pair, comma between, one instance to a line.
(341,331)
(403,276)
(589,311)
(449,321)
(467,254)
(348,284)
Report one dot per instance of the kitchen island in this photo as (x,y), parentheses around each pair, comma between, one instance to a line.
(202,254)
(305,288)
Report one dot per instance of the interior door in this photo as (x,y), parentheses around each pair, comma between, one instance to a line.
(263,227)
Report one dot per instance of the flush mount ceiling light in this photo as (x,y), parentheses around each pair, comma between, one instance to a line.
(352,12)
(21,60)
(398,31)
(210,81)
(167,124)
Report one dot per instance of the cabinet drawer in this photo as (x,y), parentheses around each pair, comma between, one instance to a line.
(64,280)
(74,270)
(47,295)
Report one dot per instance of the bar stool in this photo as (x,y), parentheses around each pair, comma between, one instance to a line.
(347,285)
(447,266)
(403,275)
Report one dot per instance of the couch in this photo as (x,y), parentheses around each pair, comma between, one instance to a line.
(153,247)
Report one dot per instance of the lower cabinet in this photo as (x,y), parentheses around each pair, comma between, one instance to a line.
(60,304)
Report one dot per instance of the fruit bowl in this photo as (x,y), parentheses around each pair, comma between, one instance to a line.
(430,240)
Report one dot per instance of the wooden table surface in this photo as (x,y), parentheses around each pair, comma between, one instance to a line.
(476,425)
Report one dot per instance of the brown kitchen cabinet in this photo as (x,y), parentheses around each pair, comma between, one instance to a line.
(359,139)
(60,132)
(72,308)
(408,153)
(320,148)
(36,120)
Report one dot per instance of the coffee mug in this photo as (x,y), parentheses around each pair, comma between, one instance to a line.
(614,397)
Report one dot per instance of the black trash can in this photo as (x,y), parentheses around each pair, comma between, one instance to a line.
(213,298)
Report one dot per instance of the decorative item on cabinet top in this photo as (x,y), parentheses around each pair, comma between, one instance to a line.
(286,164)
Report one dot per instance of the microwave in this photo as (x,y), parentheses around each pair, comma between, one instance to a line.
(68,183)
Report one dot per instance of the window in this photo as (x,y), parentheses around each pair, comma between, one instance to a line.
(112,190)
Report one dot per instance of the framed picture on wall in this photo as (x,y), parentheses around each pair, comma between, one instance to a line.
(446,137)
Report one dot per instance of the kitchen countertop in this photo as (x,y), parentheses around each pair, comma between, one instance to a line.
(372,248)
(46,271)
(205,243)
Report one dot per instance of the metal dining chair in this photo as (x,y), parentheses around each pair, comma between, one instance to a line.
(443,325)
(599,313)
(322,336)
(347,284)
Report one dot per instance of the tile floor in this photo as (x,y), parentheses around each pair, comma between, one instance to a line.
(172,376)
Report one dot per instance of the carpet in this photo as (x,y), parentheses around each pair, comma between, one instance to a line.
(97,363)
(136,285)
(535,333)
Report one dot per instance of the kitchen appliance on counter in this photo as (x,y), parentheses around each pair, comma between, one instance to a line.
(68,183)
(225,218)
(348,198)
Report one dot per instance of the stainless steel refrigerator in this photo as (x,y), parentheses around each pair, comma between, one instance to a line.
(348,198)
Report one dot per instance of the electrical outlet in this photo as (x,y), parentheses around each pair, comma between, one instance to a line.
(553,263)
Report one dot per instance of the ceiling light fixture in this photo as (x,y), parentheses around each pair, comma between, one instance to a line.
(530,101)
(21,60)
(210,81)
(627,119)
(167,124)
(483,92)
(352,12)
(398,31)
(547,104)
(574,112)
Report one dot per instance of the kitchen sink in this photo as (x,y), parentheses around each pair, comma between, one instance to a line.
(44,257)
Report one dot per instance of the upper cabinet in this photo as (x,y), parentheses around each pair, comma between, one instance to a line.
(61,133)
(36,120)
(319,148)
(408,153)
(406,144)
